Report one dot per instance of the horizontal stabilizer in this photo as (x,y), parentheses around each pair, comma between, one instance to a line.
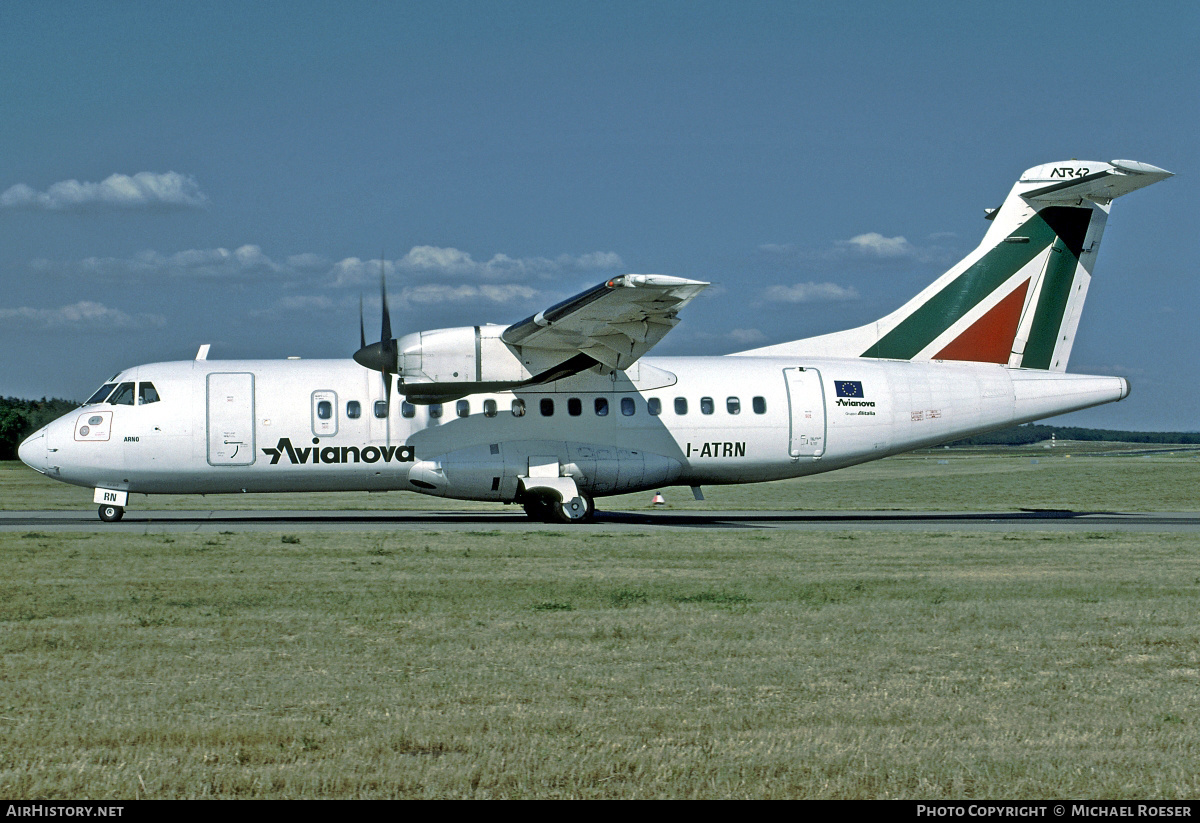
(1101,182)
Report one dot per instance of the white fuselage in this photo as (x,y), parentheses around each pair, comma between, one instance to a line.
(276,426)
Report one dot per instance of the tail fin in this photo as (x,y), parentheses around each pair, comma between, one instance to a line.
(1017,298)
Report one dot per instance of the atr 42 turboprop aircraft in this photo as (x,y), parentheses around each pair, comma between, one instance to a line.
(562,407)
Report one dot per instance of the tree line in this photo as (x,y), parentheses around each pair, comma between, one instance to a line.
(20,418)
(1037,432)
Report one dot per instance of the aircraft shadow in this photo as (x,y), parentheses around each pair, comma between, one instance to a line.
(748,519)
(516,520)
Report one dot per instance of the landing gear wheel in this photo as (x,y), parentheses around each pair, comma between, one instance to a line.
(579,510)
(110,513)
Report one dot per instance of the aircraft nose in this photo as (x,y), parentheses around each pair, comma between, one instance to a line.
(33,451)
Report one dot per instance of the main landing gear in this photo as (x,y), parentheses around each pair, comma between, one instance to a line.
(110,513)
(579,509)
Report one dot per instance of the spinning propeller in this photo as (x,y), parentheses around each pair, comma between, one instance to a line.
(381,356)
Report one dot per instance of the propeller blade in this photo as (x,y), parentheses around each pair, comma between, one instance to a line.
(362,332)
(381,356)
(387,404)
(386,334)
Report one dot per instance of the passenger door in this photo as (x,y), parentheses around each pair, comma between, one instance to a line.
(230,419)
(806,400)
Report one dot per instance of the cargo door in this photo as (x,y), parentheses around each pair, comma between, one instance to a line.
(806,401)
(230,419)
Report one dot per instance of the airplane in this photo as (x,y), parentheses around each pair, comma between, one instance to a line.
(562,408)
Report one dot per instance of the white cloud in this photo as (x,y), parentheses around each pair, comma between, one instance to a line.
(450,262)
(206,264)
(354,271)
(810,293)
(304,302)
(144,190)
(876,245)
(440,260)
(82,316)
(870,246)
(250,262)
(724,339)
(436,293)
(746,336)
(411,298)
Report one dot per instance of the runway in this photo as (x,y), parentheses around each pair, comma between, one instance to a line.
(201,521)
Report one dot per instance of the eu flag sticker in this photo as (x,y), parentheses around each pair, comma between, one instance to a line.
(848,388)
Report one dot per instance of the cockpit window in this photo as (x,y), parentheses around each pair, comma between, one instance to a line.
(100,394)
(123,396)
(147,394)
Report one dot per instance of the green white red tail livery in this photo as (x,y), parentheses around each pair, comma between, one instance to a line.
(1017,298)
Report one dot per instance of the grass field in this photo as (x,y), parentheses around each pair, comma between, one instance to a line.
(565,663)
(493,665)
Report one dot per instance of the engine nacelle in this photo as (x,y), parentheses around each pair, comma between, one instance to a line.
(443,363)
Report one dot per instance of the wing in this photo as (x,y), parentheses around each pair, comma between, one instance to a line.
(613,323)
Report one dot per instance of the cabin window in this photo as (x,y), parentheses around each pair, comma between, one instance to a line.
(706,405)
(463,408)
(407,409)
(547,407)
(435,410)
(601,406)
(518,408)
(654,406)
(123,396)
(353,410)
(681,405)
(324,410)
(489,408)
(147,394)
(381,409)
(760,405)
(627,407)
(733,405)
(574,406)
(101,393)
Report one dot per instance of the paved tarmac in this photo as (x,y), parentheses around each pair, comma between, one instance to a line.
(155,522)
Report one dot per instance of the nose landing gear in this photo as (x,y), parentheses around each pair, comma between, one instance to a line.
(112,503)
(110,513)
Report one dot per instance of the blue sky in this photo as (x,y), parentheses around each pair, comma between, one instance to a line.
(231,173)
